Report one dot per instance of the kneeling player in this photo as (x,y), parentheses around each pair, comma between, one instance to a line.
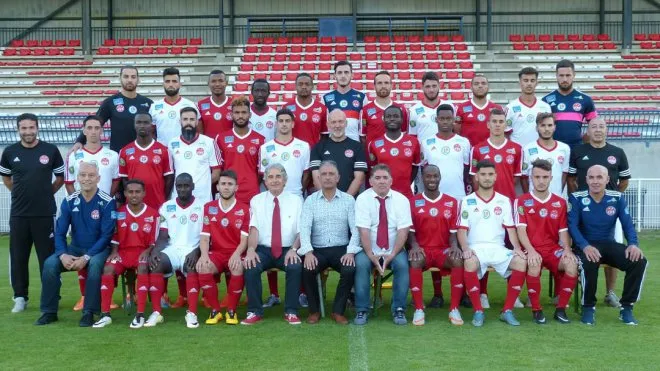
(134,239)
(223,242)
(432,241)
(540,218)
(177,248)
(485,216)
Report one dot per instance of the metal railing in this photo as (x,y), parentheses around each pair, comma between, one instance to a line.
(52,129)
(632,125)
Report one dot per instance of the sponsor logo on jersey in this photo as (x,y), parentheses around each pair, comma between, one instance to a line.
(118,101)
(224,222)
(394,152)
(217,116)
(533,151)
(586,201)
(132,109)
(516,109)
(79,155)
(171,208)
(467,109)
(551,98)
(130,151)
(371,111)
(481,117)
(343,103)
(329,97)
(175,144)
(379,143)
(303,116)
(543,212)
(561,106)
(498,158)
(144,159)
(471,201)
(430,141)
(229,139)
(205,106)
(484,150)
(270,148)
(420,203)
(610,210)
(529,203)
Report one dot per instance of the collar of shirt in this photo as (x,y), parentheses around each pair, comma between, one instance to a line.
(322,196)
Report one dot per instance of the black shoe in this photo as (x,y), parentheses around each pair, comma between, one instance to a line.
(46,318)
(87,320)
(539,317)
(560,316)
(436,302)
(465,301)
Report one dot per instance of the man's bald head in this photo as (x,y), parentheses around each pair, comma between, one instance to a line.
(597,169)
(597,179)
(337,124)
(337,114)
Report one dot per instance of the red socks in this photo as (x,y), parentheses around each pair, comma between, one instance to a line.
(156,287)
(514,286)
(82,280)
(181,282)
(192,291)
(534,290)
(416,285)
(272,283)
(210,287)
(567,285)
(472,289)
(234,292)
(483,284)
(457,287)
(436,277)
(142,291)
(107,288)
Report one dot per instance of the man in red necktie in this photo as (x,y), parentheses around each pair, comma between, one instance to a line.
(272,243)
(382,216)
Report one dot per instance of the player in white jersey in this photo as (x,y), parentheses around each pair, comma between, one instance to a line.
(195,154)
(177,248)
(262,117)
(291,152)
(521,113)
(93,151)
(547,148)
(485,216)
(449,152)
(422,115)
(166,112)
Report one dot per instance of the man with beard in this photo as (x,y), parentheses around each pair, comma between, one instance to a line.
(165,112)
(346,99)
(121,109)
(422,115)
(310,115)
(521,113)
(372,113)
(262,117)
(27,170)
(215,111)
(397,150)
(195,154)
(472,115)
(571,107)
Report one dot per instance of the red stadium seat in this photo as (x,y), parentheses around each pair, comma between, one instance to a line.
(432,56)
(137,42)
(162,50)
(38,51)
(341,39)
(457,96)
(370,39)
(416,56)
(400,47)
(451,65)
(296,49)
(430,47)
(243,77)
(654,37)
(468,75)
(132,50)
(53,51)
(103,51)
(240,87)
(419,65)
(295,57)
(196,41)
(282,40)
(515,38)
(46,43)
(293,67)
(313,49)
(463,56)
(609,45)
(588,37)
(578,46)
(646,45)
(384,39)
(593,45)
(275,86)
(414,39)
(573,37)
(323,86)
(118,50)
(402,75)
(563,46)
(434,65)
(312,40)
(402,65)
(385,47)
(357,85)
(529,38)
(152,42)
(399,39)
(176,50)
(325,66)
(549,46)
(640,37)
(446,39)
(32,43)
(386,56)
(460,47)
(167,42)
(455,39)
(280,57)
(109,42)
(326,40)
(16,43)
(326,49)
(277,67)
(558,37)
(74,43)
(518,46)
(428,39)
(181,41)
(123,42)
(545,38)
(289,86)
(387,65)
(190,50)
(534,46)
(452,75)
(603,37)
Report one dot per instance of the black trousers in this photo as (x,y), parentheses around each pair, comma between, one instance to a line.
(23,232)
(612,254)
(329,257)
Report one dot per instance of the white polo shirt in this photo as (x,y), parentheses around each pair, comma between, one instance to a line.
(367,208)
(261,216)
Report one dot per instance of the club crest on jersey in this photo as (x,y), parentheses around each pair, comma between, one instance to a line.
(445,150)
(498,210)
(356,103)
(433,212)
(484,150)
(303,116)
(132,109)
(343,103)
(316,118)
(543,212)
(171,208)
(486,214)
(394,152)
(611,160)
(447,214)
(224,222)
(44,159)
(296,153)
(348,153)
(171,115)
(577,106)
(561,106)
(509,159)
(554,214)
(134,227)
(146,228)
(457,147)
(240,148)
(586,201)
(481,117)
(467,109)
(194,217)
(560,159)
(217,116)
(471,202)
(498,158)
(610,210)
(183,220)
(285,156)
(408,152)
(420,203)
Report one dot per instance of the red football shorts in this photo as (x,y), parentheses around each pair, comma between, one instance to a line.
(129,260)
(435,258)
(221,260)
(551,258)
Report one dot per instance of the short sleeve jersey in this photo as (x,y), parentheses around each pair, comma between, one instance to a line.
(106,159)
(151,165)
(167,118)
(136,231)
(225,227)
(543,219)
(400,155)
(351,103)
(421,120)
(216,118)
(197,158)
(557,156)
(508,164)
(571,111)
(264,124)
(612,157)
(241,154)
(373,126)
(474,120)
(183,224)
(309,121)
(348,154)
(451,156)
(521,120)
(433,220)
(485,220)
(121,112)
(294,156)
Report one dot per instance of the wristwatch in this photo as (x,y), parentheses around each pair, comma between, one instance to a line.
(86,257)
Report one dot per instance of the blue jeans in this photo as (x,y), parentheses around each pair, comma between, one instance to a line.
(401,281)
(51,281)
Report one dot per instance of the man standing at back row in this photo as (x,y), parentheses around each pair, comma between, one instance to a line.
(27,170)
(166,112)
(346,99)
(521,113)
(215,111)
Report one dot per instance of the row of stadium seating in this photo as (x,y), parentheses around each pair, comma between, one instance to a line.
(74,43)
(649,45)
(38,52)
(402,74)
(386,65)
(514,38)
(24,63)
(367,55)
(595,45)
(644,37)
(343,48)
(153,42)
(628,87)
(146,50)
(367,39)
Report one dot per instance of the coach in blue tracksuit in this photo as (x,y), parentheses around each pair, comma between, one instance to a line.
(90,213)
(591,219)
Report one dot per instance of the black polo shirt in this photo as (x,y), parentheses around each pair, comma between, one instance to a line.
(348,154)
(32,171)
(584,156)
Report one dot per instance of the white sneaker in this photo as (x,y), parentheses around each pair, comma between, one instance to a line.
(484,301)
(612,300)
(418,317)
(19,305)
(138,321)
(518,304)
(191,320)
(154,319)
(102,322)
(455,317)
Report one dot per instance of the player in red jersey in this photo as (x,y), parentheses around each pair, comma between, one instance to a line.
(373,126)
(433,244)
(148,160)
(397,150)
(223,243)
(472,115)
(310,115)
(134,239)
(540,218)
(215,110)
